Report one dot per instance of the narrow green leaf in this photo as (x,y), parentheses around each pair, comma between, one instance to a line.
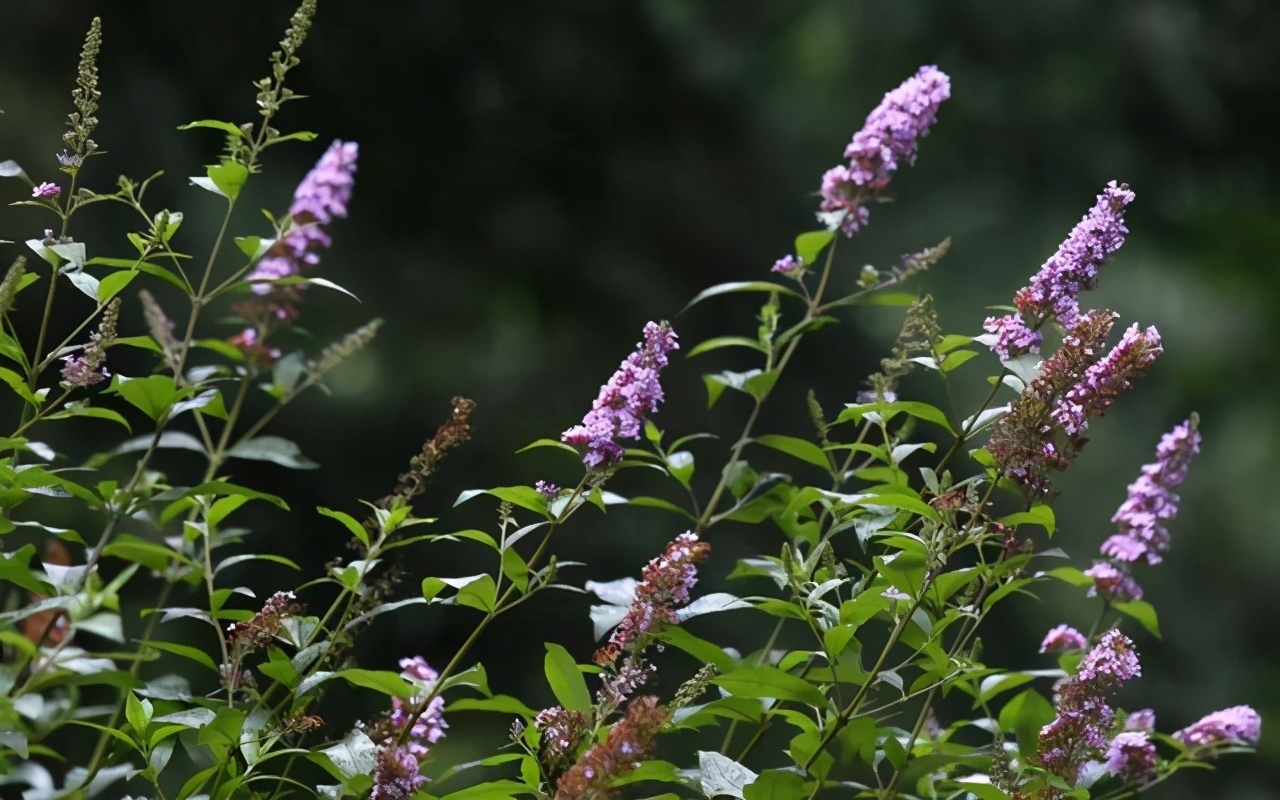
(566,680)
(739,286)
(798,448)
(725,341)
(767,681)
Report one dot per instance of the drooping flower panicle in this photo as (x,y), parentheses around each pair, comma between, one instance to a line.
(625,401)
(889,138)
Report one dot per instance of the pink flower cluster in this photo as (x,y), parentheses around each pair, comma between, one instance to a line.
(887,139)
(625,401)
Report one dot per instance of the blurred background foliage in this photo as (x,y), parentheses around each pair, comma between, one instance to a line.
(539,179)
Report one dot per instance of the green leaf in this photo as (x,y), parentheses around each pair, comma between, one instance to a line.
(776,784)
(226,179)
(14,568)
(83,410)
(1025,715)
(739,286)
(389,683)
(275,449)
(548,443)
(113,284)
(494,790)
(1039,514)
(566,680)
(225,127)
(658,502)
(725,341)
(357,530)
(524,496)
(19,386)
(811,244)
(799,448)
(957,359)
(138,712)
(1143,613)
(480,594)
(922,411)
(153,395)
(191,653)
(152,555)
(767,681)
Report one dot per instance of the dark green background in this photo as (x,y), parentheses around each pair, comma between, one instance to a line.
(537,180)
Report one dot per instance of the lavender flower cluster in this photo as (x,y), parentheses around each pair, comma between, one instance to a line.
(428,725)
(625,401)
(395,774)
(1079,731)
(887,139)
(1143,516)
(321,197)
(1054,291)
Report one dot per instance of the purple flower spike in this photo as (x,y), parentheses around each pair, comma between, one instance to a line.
(1054,290)
(1235,725)
(1151,502)
(1061,638)
(1136,351)
(887,139)
(322,196)
(629,397)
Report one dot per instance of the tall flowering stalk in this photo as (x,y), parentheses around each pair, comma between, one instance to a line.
(321,197)
(888,138)
(1144,515)
(1079,732)
(1054,291)
(625,401)
(89,367)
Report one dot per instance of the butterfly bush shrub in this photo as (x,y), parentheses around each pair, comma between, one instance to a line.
(890,549)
